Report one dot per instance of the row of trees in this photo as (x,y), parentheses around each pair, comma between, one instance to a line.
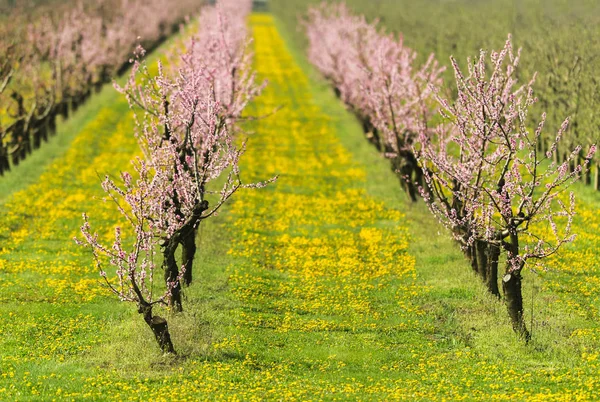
(52,59)
(374,74)
(497,185)
(559,39)
(187,119)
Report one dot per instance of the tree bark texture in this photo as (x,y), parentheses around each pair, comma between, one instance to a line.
(172,274)
(484,262)
(511,285)
(492,275)
(188,245)
(159,328)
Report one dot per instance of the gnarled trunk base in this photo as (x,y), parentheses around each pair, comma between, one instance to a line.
(511,285)
(159,328)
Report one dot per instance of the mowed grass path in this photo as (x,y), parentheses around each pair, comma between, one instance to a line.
(314,288)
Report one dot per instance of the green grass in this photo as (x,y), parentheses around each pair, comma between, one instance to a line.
(255,324)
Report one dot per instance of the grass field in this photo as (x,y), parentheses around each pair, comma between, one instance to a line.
(327,285)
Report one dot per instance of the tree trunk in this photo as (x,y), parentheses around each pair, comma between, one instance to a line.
(74,104)
(405,169)
(420,177)
(64,109)
(17,143)
(87,94)
(37,137)
(159,328)
(471,252)
(376,139)
(25,149)
(39,133)
(597,177)
(337,92)
(581,162)
(588,175)
(46,129)
(370,131)
(188,246)
(4,161)
(172,274)
(412,190)
(511,285)
(482,259)
(52,123)
(415,175)
(572,164)
(492,274)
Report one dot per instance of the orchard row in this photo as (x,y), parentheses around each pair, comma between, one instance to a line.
(52,59)
(494,183)
(187,117)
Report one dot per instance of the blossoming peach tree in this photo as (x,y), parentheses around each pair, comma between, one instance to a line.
(488,181)
(377,76)
(190,168)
